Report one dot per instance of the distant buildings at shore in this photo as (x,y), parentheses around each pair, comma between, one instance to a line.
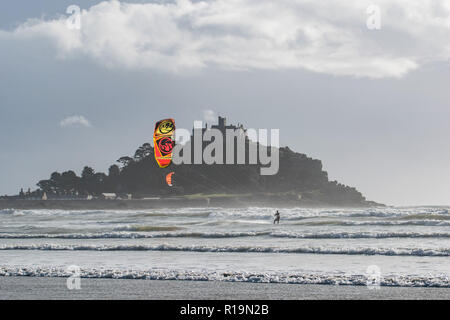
(39,195)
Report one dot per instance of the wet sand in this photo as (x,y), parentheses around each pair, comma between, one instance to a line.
(56,288)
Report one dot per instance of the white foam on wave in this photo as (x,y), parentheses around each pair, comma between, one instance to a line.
(307,213)
(237,234)
(52,212)
(188,212)
(438,252)
(7,211)
(418,222)
(232,276)
(360,235)
(428,216)
(137,235)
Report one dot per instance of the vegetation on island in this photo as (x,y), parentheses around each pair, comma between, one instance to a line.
(299,177)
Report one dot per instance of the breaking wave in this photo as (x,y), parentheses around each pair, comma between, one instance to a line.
(361,235)
(213,235)
(146,228)
(438,252)
(232,276)
(428,222)
(249,213)
(129,213)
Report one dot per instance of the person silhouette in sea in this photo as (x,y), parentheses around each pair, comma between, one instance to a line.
(277,218)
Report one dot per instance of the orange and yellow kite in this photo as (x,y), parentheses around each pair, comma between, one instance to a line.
(163,140)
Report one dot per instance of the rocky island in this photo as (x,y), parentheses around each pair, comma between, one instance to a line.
(138,182)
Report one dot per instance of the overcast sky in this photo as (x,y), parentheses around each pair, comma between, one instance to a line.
(373,105)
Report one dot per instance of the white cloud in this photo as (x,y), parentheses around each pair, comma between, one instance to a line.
(209,116)
(328,37)
(75,121)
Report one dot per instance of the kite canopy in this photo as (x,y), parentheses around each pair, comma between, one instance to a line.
(164,142)
(169,178)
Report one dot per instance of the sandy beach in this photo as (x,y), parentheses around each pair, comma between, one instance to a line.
(55,288)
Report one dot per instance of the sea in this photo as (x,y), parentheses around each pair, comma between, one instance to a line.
(373,247)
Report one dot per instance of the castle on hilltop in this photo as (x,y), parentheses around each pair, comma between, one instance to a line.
(221,126)
(237,133)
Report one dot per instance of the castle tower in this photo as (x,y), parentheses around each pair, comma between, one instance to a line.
(222,123)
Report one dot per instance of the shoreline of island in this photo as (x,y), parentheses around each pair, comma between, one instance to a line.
(173,202)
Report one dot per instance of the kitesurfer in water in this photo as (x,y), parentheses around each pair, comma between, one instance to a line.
(277,218)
